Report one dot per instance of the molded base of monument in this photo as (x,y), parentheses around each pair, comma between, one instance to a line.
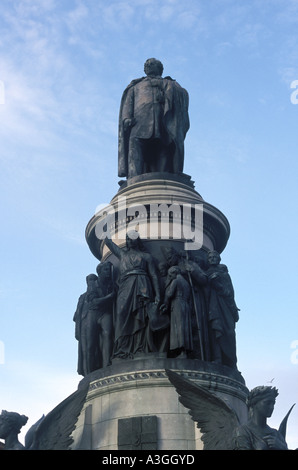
(131,405)
(170,212)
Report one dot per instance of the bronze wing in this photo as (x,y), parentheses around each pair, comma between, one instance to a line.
(215,419)
(283,425)
(54,430)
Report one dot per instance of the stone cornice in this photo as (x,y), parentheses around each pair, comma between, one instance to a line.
(150,372)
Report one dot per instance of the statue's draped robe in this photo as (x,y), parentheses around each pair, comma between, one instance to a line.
(250,437)
(178,294)
(223,312)
(86,328)
(132,332)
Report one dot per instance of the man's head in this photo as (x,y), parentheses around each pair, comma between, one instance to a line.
(104,270)
(172,256)
(90,279)
(173,272)
(213,257)
(153,67)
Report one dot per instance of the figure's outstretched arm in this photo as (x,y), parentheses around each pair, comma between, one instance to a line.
(113,247)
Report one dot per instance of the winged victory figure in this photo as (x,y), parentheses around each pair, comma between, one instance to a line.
(50,432)
(219,424)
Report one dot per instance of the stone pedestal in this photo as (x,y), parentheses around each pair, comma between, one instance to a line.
(166,210)
(129,391)
(131,404)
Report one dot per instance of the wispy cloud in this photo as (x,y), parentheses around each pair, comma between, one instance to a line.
(75,16)
(67,228)
(288,59)
(49,102)
(118,15)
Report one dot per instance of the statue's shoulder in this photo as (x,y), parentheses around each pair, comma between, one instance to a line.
(146,255)
(222,268)
(171,83)
(126,92)
(134,82)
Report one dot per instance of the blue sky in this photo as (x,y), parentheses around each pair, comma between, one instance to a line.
(63,68)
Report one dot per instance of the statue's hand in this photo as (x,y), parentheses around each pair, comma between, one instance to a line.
(274,442)
(128,123)
(213,276)
(187,267)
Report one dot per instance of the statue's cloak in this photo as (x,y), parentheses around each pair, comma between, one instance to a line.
(175,121)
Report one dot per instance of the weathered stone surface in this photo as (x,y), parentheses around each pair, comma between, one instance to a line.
(141,387)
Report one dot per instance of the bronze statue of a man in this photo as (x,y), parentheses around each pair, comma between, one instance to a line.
(178,300)
(86,328)
(104,301)
(223,313)
(153,123)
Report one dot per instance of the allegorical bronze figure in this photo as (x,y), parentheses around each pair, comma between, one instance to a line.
(10,426)
(222,312)
(86,328)
(105,302)
(138,287)
(219,423)
(256,434)
(178,301)
(51,432)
